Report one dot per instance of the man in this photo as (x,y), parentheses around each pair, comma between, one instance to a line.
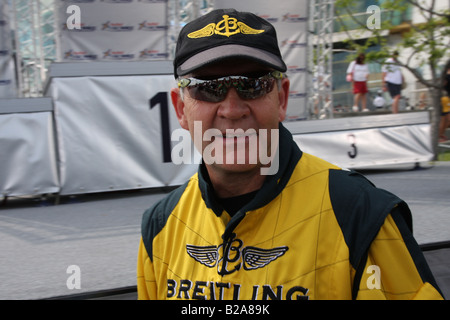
(392,80)
(302,229)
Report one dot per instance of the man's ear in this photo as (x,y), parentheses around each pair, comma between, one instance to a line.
(178,104)
(283,97)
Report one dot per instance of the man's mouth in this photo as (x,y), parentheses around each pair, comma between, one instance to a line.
(239,136)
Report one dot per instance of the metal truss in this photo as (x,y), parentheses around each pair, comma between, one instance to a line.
(180,12)
(320,58)
(34,36)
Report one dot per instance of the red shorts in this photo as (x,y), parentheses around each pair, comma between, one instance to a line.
(359,87)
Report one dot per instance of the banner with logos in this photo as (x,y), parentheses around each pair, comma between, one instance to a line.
(7,66)
(112,30)
(290,19)
(27,144)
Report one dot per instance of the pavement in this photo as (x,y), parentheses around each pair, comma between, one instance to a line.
(99,234)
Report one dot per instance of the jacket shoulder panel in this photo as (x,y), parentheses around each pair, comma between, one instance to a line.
(154,219)
(360,209)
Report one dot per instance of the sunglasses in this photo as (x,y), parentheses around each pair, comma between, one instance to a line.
(216,90)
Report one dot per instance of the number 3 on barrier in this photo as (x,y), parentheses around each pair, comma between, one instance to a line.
(162,99)
(354,152)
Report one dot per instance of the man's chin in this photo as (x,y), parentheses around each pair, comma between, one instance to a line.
(235,168)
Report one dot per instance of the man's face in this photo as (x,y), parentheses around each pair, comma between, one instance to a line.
(232,131)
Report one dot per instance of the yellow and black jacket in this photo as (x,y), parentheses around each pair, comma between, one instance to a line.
(313,231)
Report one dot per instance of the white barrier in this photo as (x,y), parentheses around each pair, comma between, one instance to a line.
(114,124)
(27,147)
(367,141)
(114,128)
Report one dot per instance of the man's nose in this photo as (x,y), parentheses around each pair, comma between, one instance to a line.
(233,107)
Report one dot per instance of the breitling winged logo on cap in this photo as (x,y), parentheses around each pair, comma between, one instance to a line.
(249,257)
(226,27)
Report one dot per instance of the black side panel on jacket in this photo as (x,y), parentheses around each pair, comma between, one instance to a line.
(155,218)
(360,210)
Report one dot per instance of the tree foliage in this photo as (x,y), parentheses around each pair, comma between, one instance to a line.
(424,45)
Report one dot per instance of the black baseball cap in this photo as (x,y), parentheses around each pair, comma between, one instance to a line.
(223,34)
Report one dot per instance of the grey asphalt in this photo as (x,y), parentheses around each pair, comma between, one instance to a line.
(100,234)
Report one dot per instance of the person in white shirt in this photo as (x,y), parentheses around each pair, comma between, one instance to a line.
(393,80)
(358,72)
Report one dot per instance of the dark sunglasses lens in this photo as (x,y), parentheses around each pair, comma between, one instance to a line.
(255,88)
(216,90)
(208,91)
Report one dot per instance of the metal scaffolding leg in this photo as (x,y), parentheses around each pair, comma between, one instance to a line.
(181,12)
(34,33)
(321,58)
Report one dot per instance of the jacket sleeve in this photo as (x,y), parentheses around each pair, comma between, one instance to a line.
(146,284)
(395,267)
(377,228)
(153,221)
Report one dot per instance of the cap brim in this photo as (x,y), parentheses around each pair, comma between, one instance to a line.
(216,54)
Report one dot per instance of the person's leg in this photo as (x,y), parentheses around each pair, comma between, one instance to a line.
(395,92)
(395,103)
(356,102)
(364,102)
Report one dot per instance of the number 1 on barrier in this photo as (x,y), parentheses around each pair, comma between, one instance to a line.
(162,99)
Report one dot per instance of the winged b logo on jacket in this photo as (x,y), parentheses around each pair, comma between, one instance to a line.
(231,252)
